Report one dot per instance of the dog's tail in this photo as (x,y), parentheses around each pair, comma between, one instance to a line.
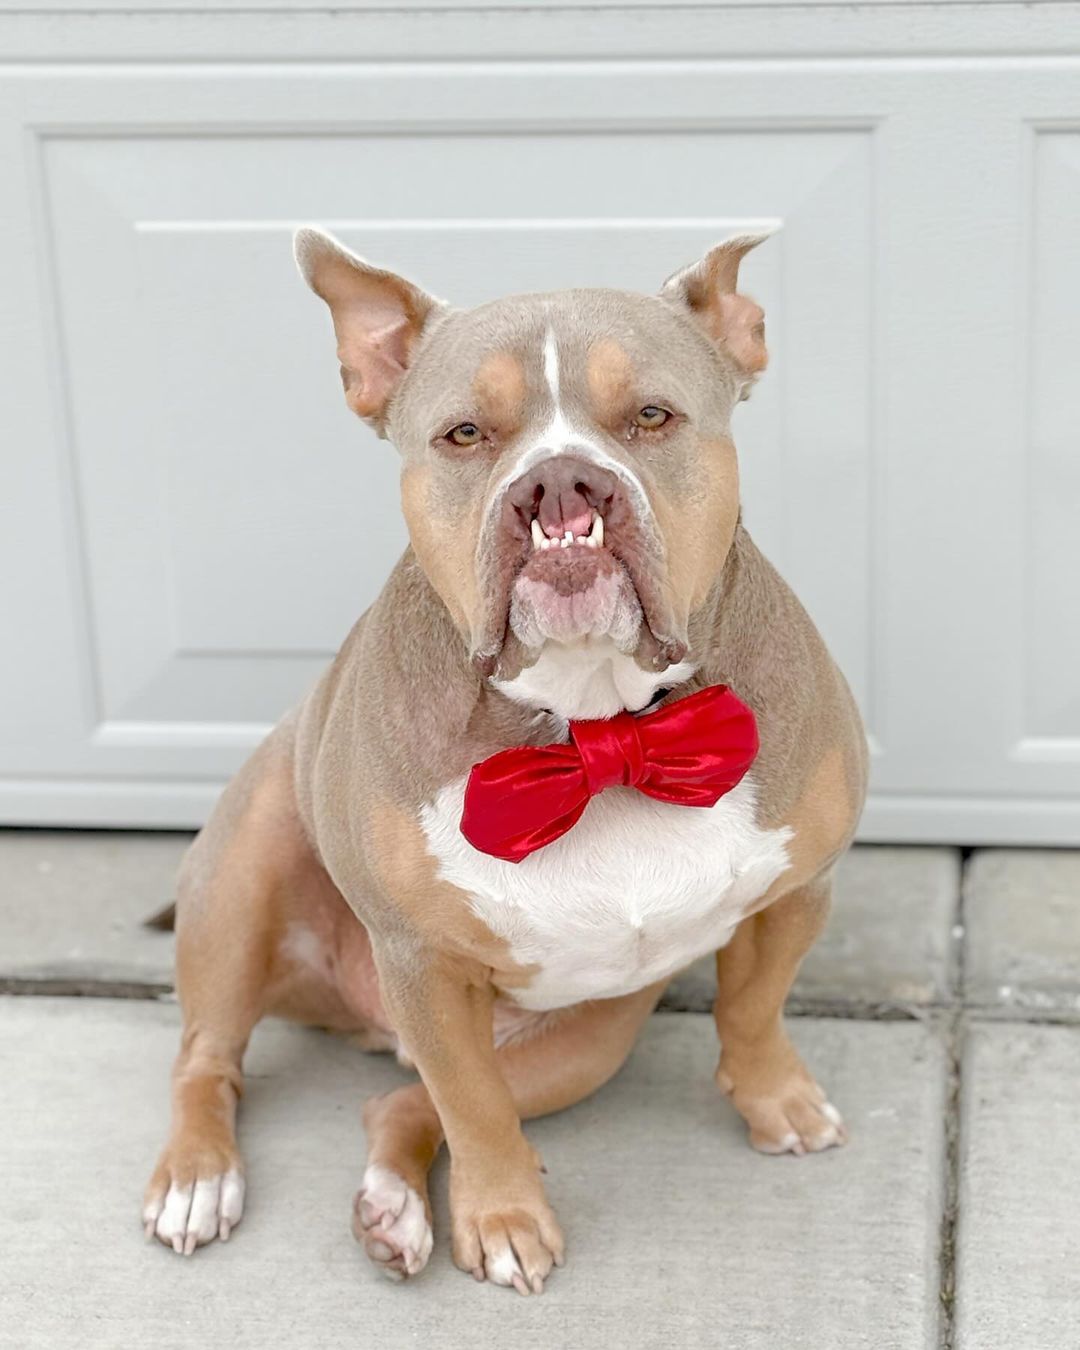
(164,921)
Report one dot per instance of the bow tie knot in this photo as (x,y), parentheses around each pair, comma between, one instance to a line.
(689,753)
(611,752)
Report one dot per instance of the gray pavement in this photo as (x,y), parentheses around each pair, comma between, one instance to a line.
(1023,939)
(940,1009)
(1018,1269)
(72,906)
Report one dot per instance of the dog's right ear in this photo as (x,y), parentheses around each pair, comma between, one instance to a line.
(378,317)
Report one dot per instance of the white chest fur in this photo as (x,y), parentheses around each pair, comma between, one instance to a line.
(636,891)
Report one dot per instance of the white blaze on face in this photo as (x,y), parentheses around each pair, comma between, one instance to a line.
(560,437)
(606,616)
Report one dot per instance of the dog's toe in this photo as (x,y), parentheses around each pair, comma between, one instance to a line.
(786,1112)
(795,1124)
(186,1216)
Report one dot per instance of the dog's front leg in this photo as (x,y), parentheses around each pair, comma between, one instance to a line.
(760,1070)
(441,1006)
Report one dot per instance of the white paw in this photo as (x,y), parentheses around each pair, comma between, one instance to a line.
(186,1217)
(820,1126)
(390,1220)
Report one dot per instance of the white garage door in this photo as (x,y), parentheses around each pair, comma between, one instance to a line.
(191,520)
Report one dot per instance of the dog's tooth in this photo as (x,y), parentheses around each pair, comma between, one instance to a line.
(537,534)
(568,537)
(582,539)
(596,534)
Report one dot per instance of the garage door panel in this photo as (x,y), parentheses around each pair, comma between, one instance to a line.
(236,519)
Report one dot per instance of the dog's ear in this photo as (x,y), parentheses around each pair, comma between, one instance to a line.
(708,288)
(378,317)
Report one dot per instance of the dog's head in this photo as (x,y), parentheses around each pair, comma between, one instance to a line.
(568,470)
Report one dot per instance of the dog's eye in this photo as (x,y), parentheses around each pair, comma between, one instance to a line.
(465,433)
(651,417)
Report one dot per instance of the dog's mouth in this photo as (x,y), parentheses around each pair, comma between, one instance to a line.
(566,554)
(556,532)
(571,585)
(566,571)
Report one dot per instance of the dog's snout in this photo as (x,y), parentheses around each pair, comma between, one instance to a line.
(563,492)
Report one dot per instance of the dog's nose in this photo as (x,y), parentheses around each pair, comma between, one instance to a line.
(563,492)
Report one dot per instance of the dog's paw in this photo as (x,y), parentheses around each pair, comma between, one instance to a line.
(788,1116)
(187,1206)
(515,1244)
(391,1222)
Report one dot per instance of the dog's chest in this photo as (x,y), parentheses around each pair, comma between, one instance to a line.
(634,892)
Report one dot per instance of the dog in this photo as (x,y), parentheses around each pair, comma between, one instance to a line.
(585,735)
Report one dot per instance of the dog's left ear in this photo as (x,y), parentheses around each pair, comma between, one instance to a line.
(734,322)
(378,317)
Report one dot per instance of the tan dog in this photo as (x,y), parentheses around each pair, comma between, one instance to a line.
(572,496)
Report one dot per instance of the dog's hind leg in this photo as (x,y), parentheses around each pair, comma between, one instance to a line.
(227,903)
(549,1061)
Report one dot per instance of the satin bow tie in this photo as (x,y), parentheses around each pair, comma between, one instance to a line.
(689,753)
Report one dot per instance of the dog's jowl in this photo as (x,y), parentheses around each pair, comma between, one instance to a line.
(584,736)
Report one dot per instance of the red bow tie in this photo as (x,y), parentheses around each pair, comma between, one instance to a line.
(689,753)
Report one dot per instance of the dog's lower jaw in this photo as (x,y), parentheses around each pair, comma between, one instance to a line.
(573,594)
(608,608)
(584,652)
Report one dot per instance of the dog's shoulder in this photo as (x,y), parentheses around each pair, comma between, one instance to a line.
(812,766)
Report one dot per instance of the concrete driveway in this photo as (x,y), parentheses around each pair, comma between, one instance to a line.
(942,1009)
